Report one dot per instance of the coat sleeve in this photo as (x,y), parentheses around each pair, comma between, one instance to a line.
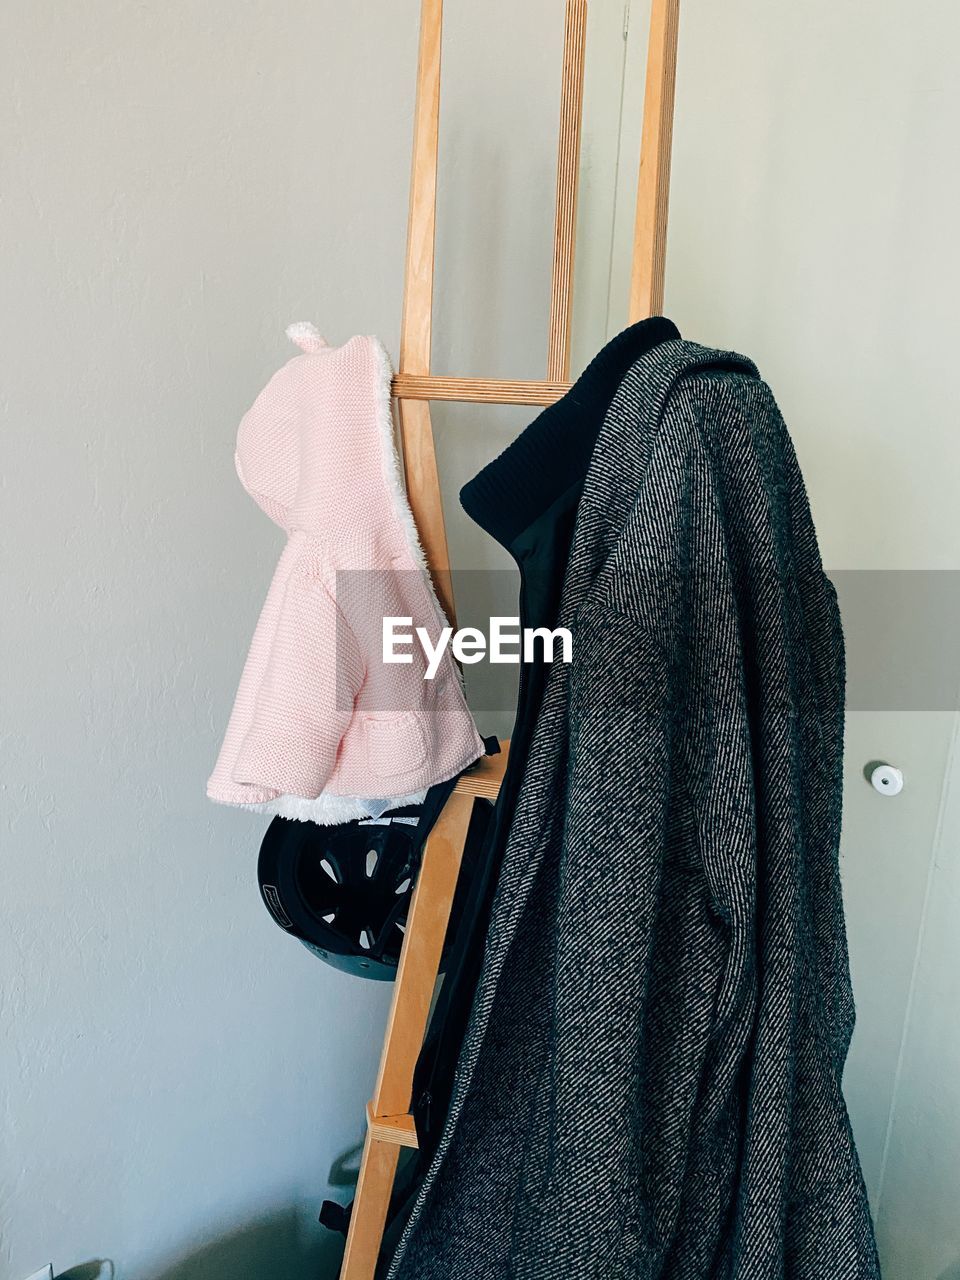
(305,701)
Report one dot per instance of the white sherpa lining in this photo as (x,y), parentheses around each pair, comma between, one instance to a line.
(393,468)
(390,456)
(328,810)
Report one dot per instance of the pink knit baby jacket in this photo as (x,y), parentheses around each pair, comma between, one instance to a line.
(321,727)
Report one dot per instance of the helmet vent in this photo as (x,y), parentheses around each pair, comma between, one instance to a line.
(348,888)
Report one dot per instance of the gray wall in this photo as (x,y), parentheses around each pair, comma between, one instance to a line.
(178,1077)
(179,182)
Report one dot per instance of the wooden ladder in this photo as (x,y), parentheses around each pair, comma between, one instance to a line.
(390,1125)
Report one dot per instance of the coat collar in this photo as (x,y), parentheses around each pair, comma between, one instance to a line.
(622,452)
(554,452)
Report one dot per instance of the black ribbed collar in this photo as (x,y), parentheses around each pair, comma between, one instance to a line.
(554,452)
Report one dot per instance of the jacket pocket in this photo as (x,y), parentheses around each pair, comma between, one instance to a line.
(395,745)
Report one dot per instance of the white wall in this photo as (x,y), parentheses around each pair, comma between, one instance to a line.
(919,1223)
(178,1077)
(180,181)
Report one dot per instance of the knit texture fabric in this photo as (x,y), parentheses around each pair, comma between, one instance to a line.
(322,728)
(650,1085)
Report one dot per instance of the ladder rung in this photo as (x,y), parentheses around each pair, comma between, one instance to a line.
(486,776)
(400,1130)
(432,386)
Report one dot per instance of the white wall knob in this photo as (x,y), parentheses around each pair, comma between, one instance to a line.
(887,780)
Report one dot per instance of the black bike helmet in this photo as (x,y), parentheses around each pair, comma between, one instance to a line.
(345,890)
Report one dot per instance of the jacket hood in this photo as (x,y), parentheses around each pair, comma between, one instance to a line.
(322,728)
(319,436)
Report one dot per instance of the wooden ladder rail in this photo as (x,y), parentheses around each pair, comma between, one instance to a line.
(390,1126)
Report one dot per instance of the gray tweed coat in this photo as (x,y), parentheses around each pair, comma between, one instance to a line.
(650,1083)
